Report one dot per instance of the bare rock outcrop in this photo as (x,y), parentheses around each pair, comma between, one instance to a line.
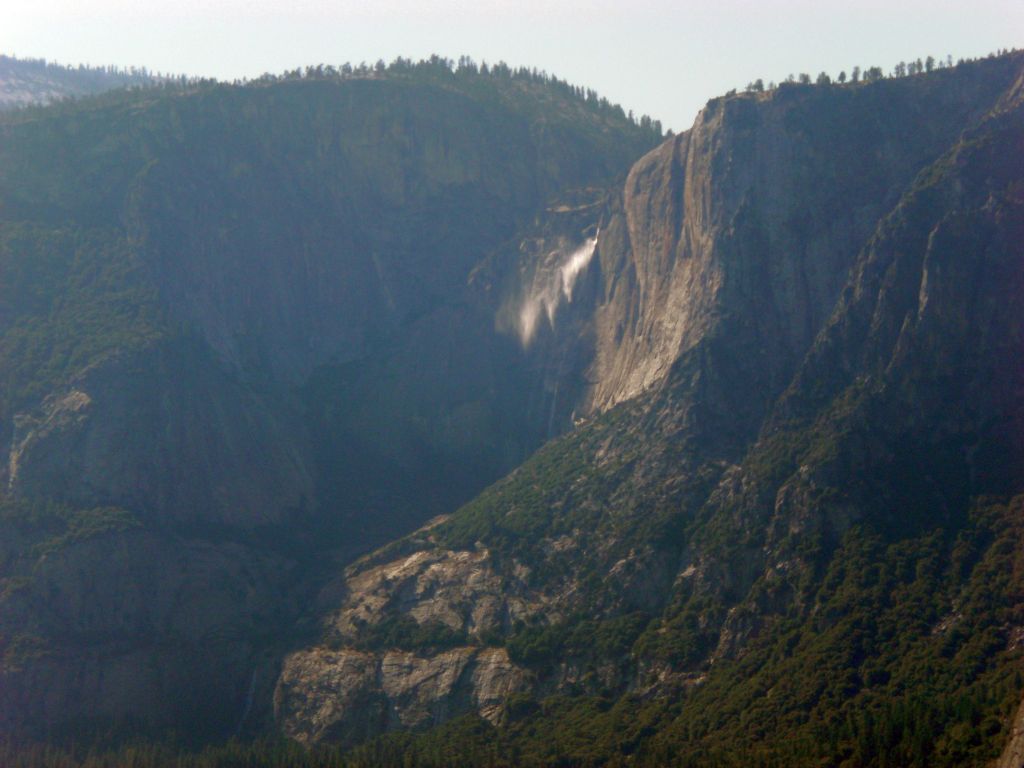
(347,694)
(459,590)
(729,231)
(731,251)
(1013,752)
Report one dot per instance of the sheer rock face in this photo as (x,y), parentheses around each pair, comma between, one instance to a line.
(135,623)
(165,432)
(310,223)
(243,318)
(775,256)
(745,228)
(337,255)
(313,242)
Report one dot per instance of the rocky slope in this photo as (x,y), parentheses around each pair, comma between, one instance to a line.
(1013,753)
(200,285)
(808,311)
(249,332)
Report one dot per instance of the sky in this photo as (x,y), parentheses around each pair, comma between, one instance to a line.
(655,57)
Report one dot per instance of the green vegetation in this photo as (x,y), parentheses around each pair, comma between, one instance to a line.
(541,498)
(21,650)
(578,636)
(529,91)
(70,298)
(31,531)
(575,484)
(406,633)
(842,593)
(884,635)
(874,73)
(39,80)
(134,220)
(48,527)
(902,658)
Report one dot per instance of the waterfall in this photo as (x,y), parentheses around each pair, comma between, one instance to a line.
(551,287)
(249,696)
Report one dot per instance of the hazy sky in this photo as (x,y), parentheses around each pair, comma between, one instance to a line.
(653,56)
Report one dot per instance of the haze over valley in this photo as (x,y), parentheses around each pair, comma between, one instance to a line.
(445,412)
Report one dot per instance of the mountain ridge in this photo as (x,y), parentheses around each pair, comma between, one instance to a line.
(159,342)
(542,519)
(33,82)
(781,400)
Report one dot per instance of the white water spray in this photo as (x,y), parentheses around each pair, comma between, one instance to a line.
(577,262)
(551,287)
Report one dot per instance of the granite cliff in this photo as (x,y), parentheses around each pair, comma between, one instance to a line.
(235,321)
(456,404)
(804,343)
